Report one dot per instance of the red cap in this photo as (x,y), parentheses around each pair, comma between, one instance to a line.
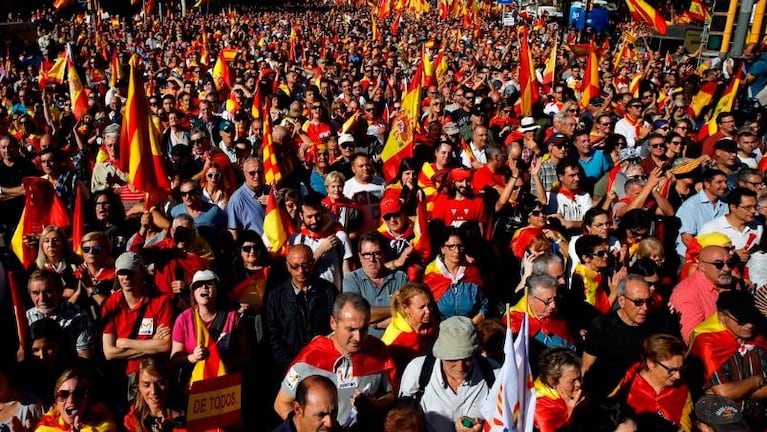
(458,174)
(390,204)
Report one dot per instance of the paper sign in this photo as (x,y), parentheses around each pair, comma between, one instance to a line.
(215,403)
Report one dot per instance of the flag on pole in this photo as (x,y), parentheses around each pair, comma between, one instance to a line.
(272,172)
(54,73)
(222,77)
(61,4)
(551,65)
(724,104)
(643,12)
(114,70)
(510,403)
(277,226)
(528,83)
(140,155)
(255,109)
(591,77)
(76,89)
(703,97)
(213,365)
(401,140)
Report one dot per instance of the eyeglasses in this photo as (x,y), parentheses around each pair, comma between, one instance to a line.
(214,176)
(103,204)
(76,394)
(371,255)
(600,253)
(536,213)
(658,145)
(559,145)
(605,124)
(671,371)
(748,207)
(635,106)
(189,192)
(389,216)
(641,302)
(547,301)
(92,249)
(248,248)
(316,107)
(719,265)
(304,267)
(453,247)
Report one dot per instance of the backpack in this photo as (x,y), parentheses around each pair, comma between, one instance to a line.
(428,367)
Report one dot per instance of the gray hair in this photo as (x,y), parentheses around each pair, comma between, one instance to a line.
(560,117)
(541,264)
(357,302)
(538,282)
(492,151)
(633,181)
(630,277)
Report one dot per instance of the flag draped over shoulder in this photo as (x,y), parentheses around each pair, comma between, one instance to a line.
(42,207)
(643,12)
(76,90)
(401,140)
(713,344)
(510,404)
(591,77)
(213,365)
(140,156)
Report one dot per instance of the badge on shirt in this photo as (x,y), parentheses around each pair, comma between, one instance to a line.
(345,374)
(292,378)
(147,327)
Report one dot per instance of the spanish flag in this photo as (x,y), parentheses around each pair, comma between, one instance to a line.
(440,67)
(444,9)
(428,69)
(643,12)
(591,77)
(213,366)
(401,140)
(428,185)
(384,9)
(698,11)
(551,65)
(205,51)
(551,412)
(54,73)
(713,344)
(61,4)
(222,77)
(703,97)
(255,109)
(292,41)
(277,226)
(42,207)
(376,33)
(76,90)
(528,84)
(724,104)
(114,69)
(140,153)
(272,172)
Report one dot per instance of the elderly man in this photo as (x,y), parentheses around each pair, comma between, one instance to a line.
(694,298)
(315,408)
(137,320)
(457,378)
(734,355)
(545,328)
(298,309)
(245,209)
(105,173)
(359,366)
(613,341)
(474,155)
(375,282)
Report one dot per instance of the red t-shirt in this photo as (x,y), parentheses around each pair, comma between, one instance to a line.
(455,212)
(484,177)
(317,132)
(119,320)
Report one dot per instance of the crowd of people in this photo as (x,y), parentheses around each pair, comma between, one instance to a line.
(629,245)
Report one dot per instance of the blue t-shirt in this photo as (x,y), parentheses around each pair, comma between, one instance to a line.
(759,70)
(211,217)
(597,166)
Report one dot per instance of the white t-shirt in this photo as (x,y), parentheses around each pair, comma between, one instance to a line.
(368,196)
(570,209)
(330,265)
(751,234)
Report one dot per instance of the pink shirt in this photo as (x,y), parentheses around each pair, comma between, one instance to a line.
(184,332)
(694,299)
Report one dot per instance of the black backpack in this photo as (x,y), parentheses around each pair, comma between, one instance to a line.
(428,366)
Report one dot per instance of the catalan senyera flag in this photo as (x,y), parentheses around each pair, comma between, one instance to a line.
(399,144)
(213,365)
(277,226)
(528,83)
(140,143)
(643,12)
(703,97)
(510,403)
(42,207)
(590,78)
(272,172)
(634,84)
(724,104)
(76,89)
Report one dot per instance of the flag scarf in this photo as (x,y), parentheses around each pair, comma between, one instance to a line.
(593,290)
(404,342)
(42,207)
(713,344)
(528,83)
(428,185)
(674,403)
(436,279)
(551,408)
(76,90)
(643,12)
(213,365)
(591,77)
(101,421)
(551,331)
(140,143)
(510,403)
(401,140)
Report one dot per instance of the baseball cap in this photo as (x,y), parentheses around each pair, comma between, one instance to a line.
(458,174)
(129,261)
(740,305)
(390,204)
(457,339)
(596,101)
(201,276)
(345,138)
(557,139)
(657,124)
(720,414)
(226,126)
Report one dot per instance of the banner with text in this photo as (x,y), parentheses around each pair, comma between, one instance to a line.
(215,403)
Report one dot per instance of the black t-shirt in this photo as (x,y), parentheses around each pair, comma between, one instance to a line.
(11,177)
(616,345)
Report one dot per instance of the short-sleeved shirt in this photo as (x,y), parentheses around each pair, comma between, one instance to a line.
(456,212)
(751,234)
(211,216)
(694,213)
(184,330)
(596,166)
(441,406)
(571,208)
(119,320)
(358,282)
(244,211)
(77,327)
(368,196)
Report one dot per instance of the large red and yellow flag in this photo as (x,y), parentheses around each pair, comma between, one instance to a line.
(277,225)
(428,69)
(724,104)
(53,73)
(591,77)
(401,140)
(76,89)
(272,172)
(61,4)
(222,77)
(528,83)
(213,365)
(703,97)
(205,50)
(140,155)
(643,12)
(384,9)
(444,9)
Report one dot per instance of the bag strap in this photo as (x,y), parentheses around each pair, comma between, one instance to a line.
(217,326)
(139,319)
(486,369)
(425,375)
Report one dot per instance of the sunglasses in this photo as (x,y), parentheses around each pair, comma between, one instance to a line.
(215,176)
(720,264)
(189,192)
(671,371)
(248,248)
(676,142)
(559,145)
(389,216)
(304,267)
(196,143)
(76,394)
(316,107)
(635,106)
(536,213)
(600,254)
(605,124)
(255,173)
(92,249)
(640,302)
(655,146)
(453,247)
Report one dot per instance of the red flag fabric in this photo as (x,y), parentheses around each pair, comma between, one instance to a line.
(528,91)
(78,223)
(591,78)
(401,140)
(22,326)
(643,12)
(713,344)
(212,366)
(140,143)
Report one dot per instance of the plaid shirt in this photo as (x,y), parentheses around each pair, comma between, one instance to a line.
(548,175)
(747,362)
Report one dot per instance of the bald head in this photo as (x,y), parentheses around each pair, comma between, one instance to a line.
(716,264)
(710,253)
(299,252)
